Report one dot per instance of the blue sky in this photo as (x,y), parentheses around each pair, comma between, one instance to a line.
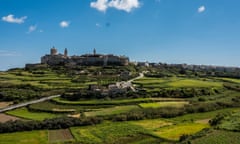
(171,31)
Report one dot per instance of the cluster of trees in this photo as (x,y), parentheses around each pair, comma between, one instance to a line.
(232,86)
(183,92)
(56,123)
(169,112)
(15,94)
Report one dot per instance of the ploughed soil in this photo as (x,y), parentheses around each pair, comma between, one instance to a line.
(4,104)
(5,117)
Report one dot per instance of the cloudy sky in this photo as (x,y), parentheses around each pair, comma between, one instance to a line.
(171,31)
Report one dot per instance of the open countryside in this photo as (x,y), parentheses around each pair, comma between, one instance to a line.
(119,72)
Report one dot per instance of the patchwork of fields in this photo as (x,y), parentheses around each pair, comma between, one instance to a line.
(144,131)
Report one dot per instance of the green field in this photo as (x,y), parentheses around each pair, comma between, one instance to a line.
(111,111)
(200,116)
(219,137)
(174,132)
(108,133)
(152,124)
(113,102)
(175,82)
(230,80)
(31,137)
(176,104)
(24,113)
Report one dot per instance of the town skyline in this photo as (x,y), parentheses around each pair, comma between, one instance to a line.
(196,32)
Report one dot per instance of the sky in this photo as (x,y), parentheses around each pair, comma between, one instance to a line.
(168,31)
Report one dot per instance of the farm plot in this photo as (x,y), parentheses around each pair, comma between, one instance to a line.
(174,132)
(112,102)
(59,135)
(219,137)
(32,137)
(4,104)
(152,124)
(5,118)
(176,104)
(201,116)
(111,111)
(109,132)
(177,83)
(26,114)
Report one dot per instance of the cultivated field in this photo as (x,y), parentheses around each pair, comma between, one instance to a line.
(60,135)
(111,111)
(109,133)
(4,104)
(174,132)
(176,82)
(5,118)
(177,104)
(219,137)
(31,137)
(26,114)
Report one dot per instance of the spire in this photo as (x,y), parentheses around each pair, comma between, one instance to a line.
(94,51)
(65,52)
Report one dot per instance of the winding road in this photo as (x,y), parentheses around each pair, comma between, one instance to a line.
(27,103)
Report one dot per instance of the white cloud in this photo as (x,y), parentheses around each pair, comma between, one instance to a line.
(125,5)
(201,9)
(32,28)
(98,25)
(64,24)
(6,53)
(11,19)
(100,5)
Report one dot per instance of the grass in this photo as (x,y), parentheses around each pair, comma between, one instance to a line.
(174,132)
(32,137)
(231,122)
(200,116)
(109,132)
(230,80)
(24,113)
(112,102)
(152,124)
(219,137)
(176,104)
(111,111)
(59,135)
(176,82)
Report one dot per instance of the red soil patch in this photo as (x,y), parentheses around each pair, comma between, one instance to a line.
(4,104)
(4,118)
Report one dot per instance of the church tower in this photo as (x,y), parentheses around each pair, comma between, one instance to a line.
(53,51)
(65,52)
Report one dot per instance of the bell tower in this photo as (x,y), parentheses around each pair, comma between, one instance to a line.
(53,51)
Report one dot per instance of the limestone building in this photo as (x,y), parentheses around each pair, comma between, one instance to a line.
(55,58)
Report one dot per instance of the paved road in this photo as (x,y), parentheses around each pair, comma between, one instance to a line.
(141,75)
(27,103)
(129,82)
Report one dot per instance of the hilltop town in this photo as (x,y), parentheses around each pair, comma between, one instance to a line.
(94,59)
